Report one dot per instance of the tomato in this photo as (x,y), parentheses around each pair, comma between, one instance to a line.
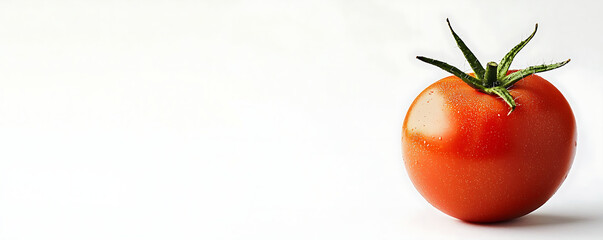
(473,159)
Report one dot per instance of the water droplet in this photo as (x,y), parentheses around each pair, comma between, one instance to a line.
(498,114)
(424,141)
(439,138)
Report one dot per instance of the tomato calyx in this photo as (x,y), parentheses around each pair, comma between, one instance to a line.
(493,79)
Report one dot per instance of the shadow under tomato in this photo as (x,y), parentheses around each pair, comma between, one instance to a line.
(538,220)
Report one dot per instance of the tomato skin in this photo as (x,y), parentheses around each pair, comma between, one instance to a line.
(472,161)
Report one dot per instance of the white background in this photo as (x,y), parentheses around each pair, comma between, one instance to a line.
(261,119)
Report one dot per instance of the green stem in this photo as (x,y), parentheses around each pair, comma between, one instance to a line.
(494,79)
(490,75)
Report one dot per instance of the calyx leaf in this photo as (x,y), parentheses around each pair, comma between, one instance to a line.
(493,79)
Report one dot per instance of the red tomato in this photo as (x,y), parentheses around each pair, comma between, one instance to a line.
(472,161)
(475,160)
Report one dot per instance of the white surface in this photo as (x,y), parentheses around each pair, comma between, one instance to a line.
(261,120)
